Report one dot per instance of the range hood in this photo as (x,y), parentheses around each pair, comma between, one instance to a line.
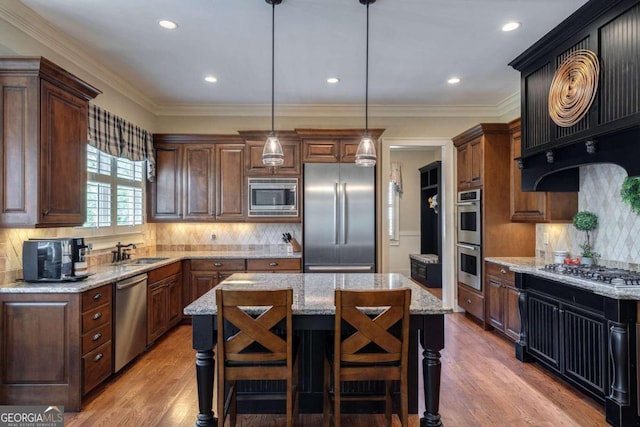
(609,130)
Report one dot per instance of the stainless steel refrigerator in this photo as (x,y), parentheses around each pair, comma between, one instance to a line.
(339,218)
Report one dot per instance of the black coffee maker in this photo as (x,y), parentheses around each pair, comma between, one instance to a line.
(78,254)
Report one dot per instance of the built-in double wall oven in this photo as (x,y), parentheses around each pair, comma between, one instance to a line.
(469,246)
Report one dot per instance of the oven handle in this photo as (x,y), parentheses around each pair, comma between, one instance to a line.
(471,248)
(466,203)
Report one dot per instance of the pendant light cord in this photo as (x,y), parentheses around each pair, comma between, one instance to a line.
(273,56)
(366,79)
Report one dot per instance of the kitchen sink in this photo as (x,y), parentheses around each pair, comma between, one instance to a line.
(144,261)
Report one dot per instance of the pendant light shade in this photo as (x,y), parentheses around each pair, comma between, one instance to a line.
(366,152)
(272,154)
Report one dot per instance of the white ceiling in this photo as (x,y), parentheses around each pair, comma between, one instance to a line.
(415,46)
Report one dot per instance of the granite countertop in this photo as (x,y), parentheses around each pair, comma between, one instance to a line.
(314,292)
(426,258)
(533,266)
(109,273)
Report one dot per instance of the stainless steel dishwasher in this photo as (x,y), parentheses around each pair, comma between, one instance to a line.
(130,319)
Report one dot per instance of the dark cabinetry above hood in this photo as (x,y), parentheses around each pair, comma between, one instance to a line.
(609,132)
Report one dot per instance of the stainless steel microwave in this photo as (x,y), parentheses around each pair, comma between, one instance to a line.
(273,197)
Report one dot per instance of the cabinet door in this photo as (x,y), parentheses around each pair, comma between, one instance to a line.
(198,182)
(254,165)
(165,198)
(512,313)
(18,150)
(230,181)
(543,332)
(321,151)
(475,162)
(174,303)
(156,311)
(202,282)
(464,170)
(348,151)
(63,157)
(495,311)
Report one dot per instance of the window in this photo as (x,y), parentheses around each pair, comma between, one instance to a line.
(115,191)
(393,212)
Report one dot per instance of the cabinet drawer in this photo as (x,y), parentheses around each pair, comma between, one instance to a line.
(96,338)
(273,264)
(164,271)
(96,367)
(96,317)
(96,297)
(471,302)
(218,264)
(501,271)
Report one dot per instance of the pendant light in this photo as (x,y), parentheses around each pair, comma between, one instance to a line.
(366,152)
(272,154)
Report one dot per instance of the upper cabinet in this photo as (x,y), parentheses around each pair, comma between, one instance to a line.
(472,158)
(43,141)
(198,178)
(536,206)
(332,145)
(253,153)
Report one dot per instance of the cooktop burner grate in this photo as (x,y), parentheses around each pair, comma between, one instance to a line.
(600,274)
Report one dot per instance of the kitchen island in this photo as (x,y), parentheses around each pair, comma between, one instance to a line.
(313,317)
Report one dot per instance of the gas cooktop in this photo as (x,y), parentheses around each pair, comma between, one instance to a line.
(610,276)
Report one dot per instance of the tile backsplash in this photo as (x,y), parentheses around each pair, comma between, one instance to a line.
(618,227)
(237,234)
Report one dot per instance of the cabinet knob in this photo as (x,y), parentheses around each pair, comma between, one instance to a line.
(217,264)
(503,271)
(97,296)
(97,357)
(273,264)
(96,337)
(45,213)
(97,316)
(468,301)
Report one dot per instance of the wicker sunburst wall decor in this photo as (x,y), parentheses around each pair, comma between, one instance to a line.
(574,87)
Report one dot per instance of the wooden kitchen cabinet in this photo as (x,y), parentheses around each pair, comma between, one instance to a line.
(43,144)
(205,274)
(536,206)
(198,178)
(332,145)
(164,300)
(274,265)
(470,163)
(254,145)
(502,300)
(54,347)
(472,302)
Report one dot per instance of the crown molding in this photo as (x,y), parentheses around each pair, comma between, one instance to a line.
(510,106)
(32,24)
(328,110)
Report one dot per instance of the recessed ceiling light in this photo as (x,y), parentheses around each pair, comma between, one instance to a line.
(453,80)
(168,25)
(211,79)
(510,26)
(333,80)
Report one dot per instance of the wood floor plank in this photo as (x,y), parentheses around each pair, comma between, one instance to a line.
(483,384)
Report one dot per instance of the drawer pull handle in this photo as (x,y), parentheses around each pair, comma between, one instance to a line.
(468,301)
(217,264)
(273,264)
(97,296)
(97,357)
(503,271)
(97,316)
(96,337)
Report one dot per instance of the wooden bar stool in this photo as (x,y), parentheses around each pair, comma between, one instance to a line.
(367,348)
(255,343)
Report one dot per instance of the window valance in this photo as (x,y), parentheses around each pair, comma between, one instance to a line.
(117,137)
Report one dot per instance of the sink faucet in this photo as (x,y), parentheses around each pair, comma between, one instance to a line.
(122,252)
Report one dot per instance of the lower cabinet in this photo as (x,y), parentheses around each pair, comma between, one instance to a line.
(164,300)
(54,347)
(207,273)
(472,301)
(274,265)
(502,300)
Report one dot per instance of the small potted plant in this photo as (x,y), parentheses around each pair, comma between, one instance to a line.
(586,221)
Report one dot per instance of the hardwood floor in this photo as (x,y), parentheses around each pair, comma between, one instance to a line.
(482,385)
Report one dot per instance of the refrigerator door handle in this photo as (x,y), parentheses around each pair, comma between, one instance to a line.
(343,222)
(340,268)
(335,213)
